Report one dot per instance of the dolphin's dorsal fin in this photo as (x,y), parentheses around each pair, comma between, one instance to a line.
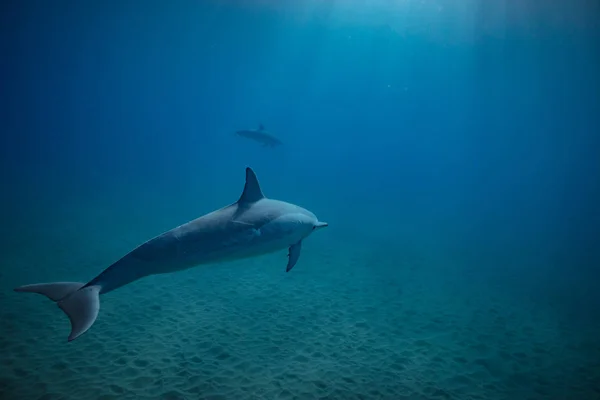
(261,127)
(252,192)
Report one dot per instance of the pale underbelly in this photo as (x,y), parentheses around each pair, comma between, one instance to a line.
(224,252)
(167,255)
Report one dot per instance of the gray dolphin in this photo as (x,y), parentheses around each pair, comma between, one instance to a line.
(252,226)
(260,135)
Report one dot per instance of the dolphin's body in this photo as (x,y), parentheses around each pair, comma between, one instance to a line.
(252,226)
(260,135)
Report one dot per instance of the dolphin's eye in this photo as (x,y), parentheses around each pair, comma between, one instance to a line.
(314,227)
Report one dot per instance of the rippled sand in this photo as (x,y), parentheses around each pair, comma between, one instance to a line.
(349,322)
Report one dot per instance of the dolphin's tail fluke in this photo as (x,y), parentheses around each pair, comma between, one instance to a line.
(81,304)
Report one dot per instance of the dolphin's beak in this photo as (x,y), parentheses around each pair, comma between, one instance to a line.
(320,225)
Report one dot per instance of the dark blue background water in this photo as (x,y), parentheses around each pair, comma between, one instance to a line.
(476,125)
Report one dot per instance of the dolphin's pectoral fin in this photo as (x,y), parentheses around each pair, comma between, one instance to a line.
(293,255)
(261,127)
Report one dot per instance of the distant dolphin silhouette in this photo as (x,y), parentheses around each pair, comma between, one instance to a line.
(252,226)
(260,135)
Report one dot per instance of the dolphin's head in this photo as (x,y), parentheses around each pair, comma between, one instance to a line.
(313,222)
(298,224)
(319,225)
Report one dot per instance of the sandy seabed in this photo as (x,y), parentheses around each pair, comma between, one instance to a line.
(350,321)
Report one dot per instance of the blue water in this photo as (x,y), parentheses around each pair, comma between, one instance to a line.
(451,146)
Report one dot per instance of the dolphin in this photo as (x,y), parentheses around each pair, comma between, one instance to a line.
(252,226)
(260,135)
